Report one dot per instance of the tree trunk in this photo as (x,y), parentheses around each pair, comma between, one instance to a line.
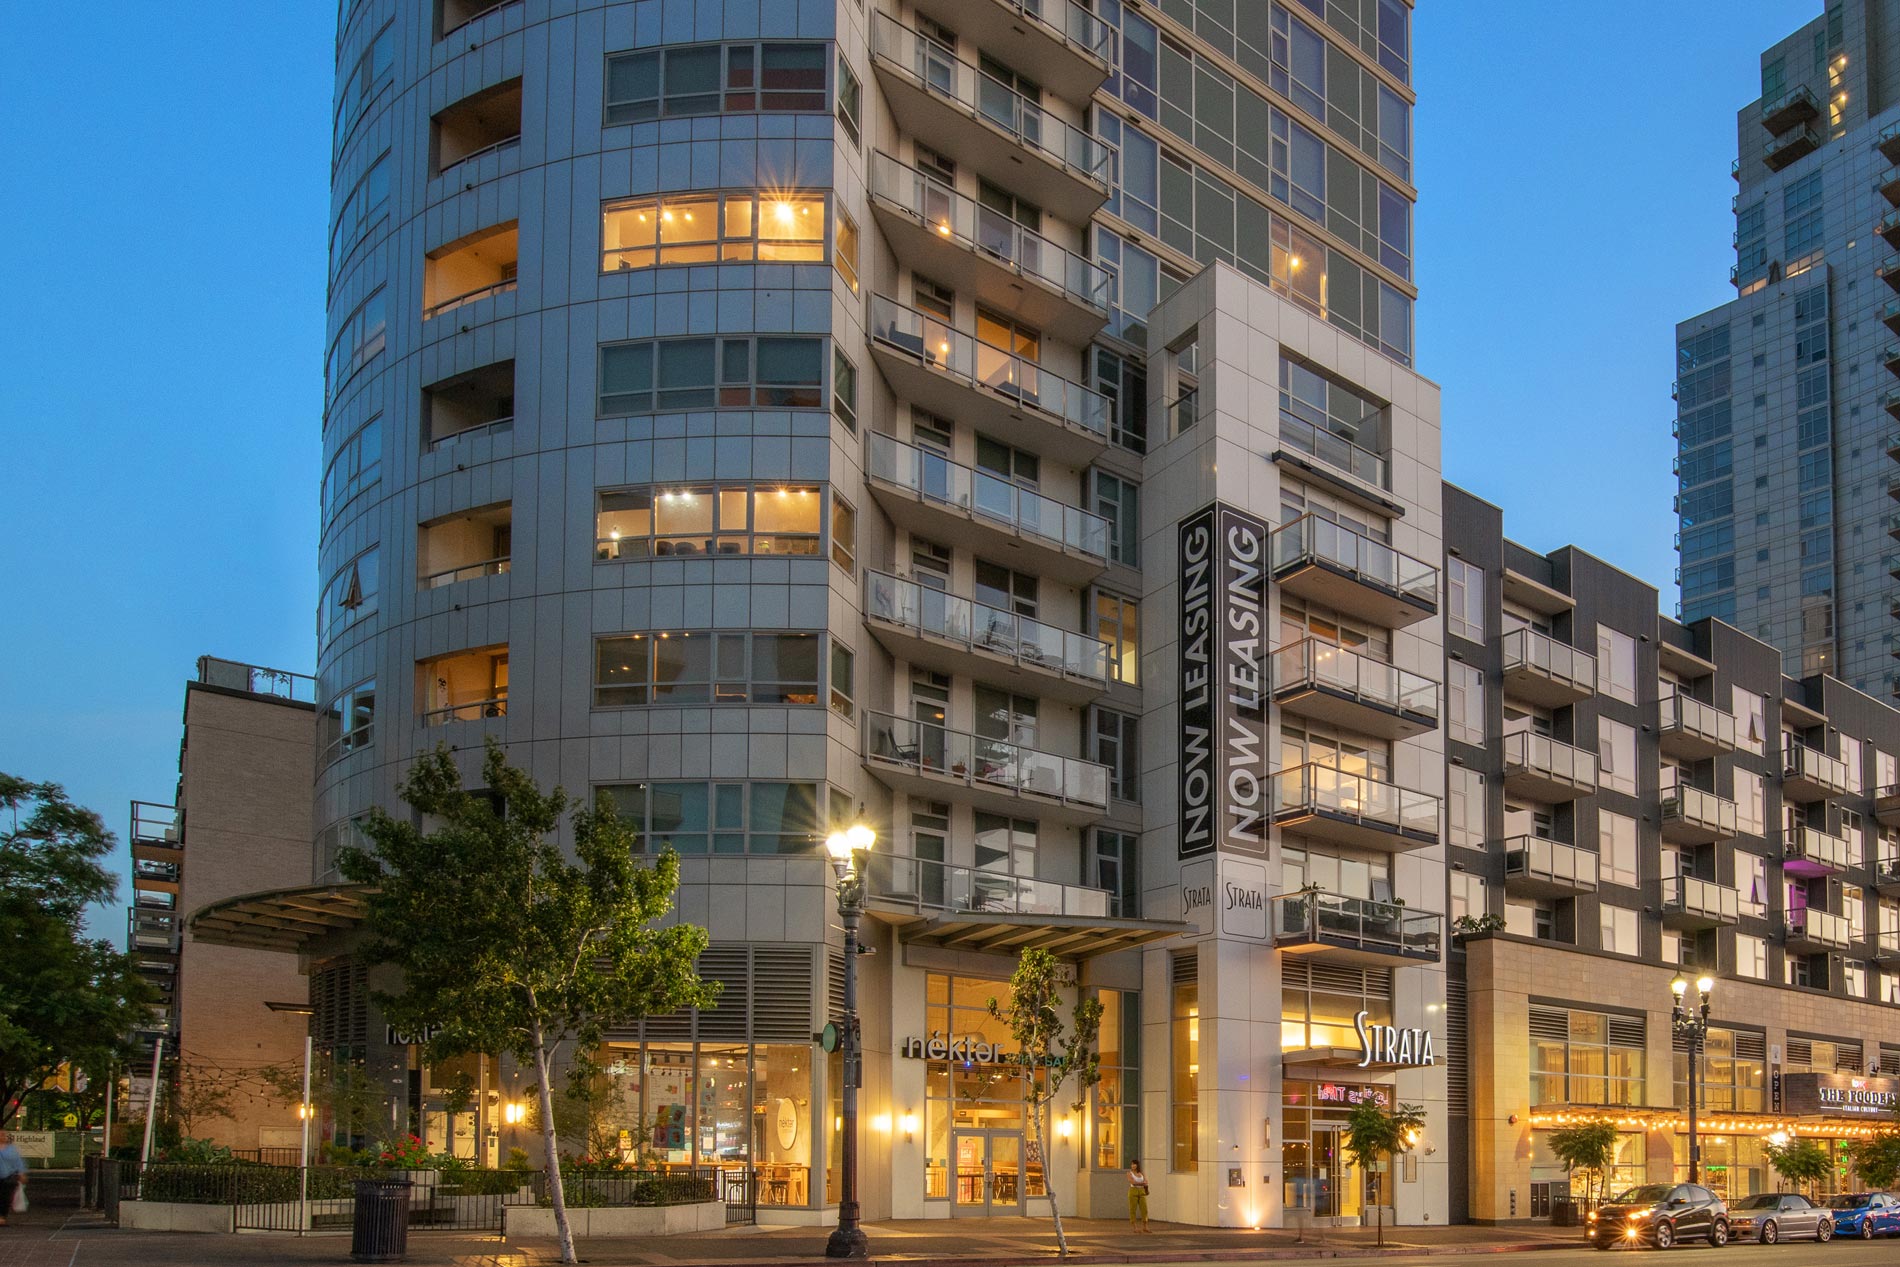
(1378,1220)
(1039,1120)
(551,1149)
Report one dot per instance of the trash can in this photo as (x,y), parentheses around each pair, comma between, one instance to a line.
(380,1232)
(1563,1213)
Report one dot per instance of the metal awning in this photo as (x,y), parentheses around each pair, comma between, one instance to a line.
(1331,1058)
(995,932)
(282,920)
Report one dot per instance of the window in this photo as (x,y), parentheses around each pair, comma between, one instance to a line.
(1734,1066)
(350,595)
(1616,848)
(673,374)
(1851,757)
(374,69)
(844,535)
(725,519)
(706,668)
(1117,1098)
(844,256)
(1124,381)
(1751,884)
(1748,802)
(1464,689)
(1619,930)
(358,338)
(1582,1057)
(1184,1049)
(850,104)
(1113,870)
(1117,623)
(1616,755)
(357,466)
(1117,747)
(469,685)
(1467,896)
(1750,728)
(844,388)
(1464,591)
(699,228)
(1751,957)
(366,204)
(1616,664)
(711,79)
(841,679)
(1115,501)
(722,818)
(349,723)
(1465,807)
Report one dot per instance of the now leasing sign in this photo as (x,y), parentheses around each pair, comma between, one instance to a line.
(1224,792)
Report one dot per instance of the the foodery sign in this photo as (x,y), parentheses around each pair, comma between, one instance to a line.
(1224,795)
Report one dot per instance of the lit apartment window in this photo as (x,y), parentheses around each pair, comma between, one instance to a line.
(478,266)
(466,545)
(708,228)
(690,519)
(1117,622)
(486,121)
(1117,1099)
(465,686)
(349,596)
(359,338)
(1184,1049)
(844,257)
(713,79)
(667,374)
(730,818)
(356,468)
(474,403)
(349,721)
(706,668)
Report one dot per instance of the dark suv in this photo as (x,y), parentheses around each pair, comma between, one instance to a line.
(1660,1214)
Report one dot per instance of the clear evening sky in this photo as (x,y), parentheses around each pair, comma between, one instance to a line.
(162,315)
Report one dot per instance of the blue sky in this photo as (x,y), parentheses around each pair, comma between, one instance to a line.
(163,320)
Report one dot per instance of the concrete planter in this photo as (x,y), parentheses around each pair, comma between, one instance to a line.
(629,1220)
(176,1216)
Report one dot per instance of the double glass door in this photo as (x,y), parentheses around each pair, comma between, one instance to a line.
(991,1174)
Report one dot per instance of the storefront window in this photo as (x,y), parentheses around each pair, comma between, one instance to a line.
(1628,1167)
(1585,1058)
(1321,1178)
(979,1153)
(449,1094)
(1184,1028)
(1319,1013)
(1118,1095)
(1734,1071)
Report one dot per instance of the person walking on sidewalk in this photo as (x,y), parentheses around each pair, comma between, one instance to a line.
(12,1175)
(1137,1196)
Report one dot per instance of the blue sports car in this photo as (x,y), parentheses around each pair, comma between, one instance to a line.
(1866,1214)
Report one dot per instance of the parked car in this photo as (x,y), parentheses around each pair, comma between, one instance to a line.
(1866,1214)
(1660,1214)
(1769,1217)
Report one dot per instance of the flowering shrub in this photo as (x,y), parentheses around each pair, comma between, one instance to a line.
(409,1153)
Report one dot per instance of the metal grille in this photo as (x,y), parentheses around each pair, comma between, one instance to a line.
(1889,1059)
(1751,1045)
(1457,1049)
(1848,1058)
(1800,1051)
(766,995)
(1626,1031)
(834,982)
(1550,1023)
(782,994)
(1185,967)
(339,1005)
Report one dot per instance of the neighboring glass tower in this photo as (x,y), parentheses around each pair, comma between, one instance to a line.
(1787,398)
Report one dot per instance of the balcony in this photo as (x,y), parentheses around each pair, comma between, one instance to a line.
(156,836)
(466,686)
(1890,315)
(1331,564)
(1353,809)
(470,269)
(931,495)
(963,908)
(1808,852)
(1061,44)
(931,629)
(1887,873)
(151,930)
(1331,928)
(155,877)
(1889,228)
(1540,670)
(1692,730)
(1790,146)
(1689,902)
(1534,867)
(1812,932)
(1887,799)
(1334,450)
(1696,816)
(1328,683)
(1797,105)
(1888,142)
(956,108)
(934,761)
(1887,949)
(942,233)
(959,376)
(463,547)
(1808,774)
(1547,770)
(486,123)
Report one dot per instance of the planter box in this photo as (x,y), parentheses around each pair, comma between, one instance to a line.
(628,1220)
(176,1216)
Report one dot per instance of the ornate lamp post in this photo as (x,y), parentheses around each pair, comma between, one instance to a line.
(1692,1021)
(847,1239)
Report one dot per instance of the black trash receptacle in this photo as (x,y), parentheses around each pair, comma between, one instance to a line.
(380,1233)
(1563,1213)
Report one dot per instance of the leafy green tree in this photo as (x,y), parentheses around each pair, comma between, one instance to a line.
(1054,1052)
(1587,1146)
(64,999)
(1375,1133)
(1878,1159)
(1799,1161)
(506,945)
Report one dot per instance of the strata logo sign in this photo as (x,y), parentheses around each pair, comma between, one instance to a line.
(1838,1095)
(1243,899)
(1198,889)
(1384,1045)
(1224,794)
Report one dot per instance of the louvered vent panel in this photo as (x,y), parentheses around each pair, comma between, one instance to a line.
(782,994)
(1550,1023)
(1626,1031)
(1295,972)
(1848,1058)
(1338,980)
(1185,967)
(730,967)
(1457,1049)
(1889,1059)
(1800,1051)
(834,985)
(1750,1045)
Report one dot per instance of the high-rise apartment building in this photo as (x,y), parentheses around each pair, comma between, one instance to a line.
(1787,400)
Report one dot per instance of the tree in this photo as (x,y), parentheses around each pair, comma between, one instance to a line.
(1375,1133)
(1051,1048)
(506,945)
(1799,1161)
(1587,1146)
(198,1092)
(1878,1160)
(64,999)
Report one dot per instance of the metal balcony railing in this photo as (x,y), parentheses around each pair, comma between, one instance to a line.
(1357,924)
(938,479)
(473,710)
(977,761)
(1310,539)
(466,572)
(921,885)
(1329,666)
(257,679)
(982,627)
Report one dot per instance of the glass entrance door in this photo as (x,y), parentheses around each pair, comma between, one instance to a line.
(1335,1185)
(990,1177)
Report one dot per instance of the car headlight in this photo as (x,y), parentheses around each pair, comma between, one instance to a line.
(1637,1216)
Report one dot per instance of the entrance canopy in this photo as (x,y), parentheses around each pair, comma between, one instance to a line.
(283,920)
(1065,936)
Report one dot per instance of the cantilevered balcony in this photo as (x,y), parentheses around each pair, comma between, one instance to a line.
(1540,670)
(1890,315)
(1887,949)
(931,629)
(151,929)
(1693,903)
(1794,144)
(1812,932)
(941,233)
(1534,867)
(1332,928)
(1781,112)
(1546,769)
(1887,873)
(1887,799)
(1889,228)
(1063,46)
(995,390)
(924,759)
(155,877)
(1353,809)
(155,833)
(938,498)
(1333,565)
(956,108)
(1808,774)
(1693,730)
(1326,682)
(1808,852)
(1696,816)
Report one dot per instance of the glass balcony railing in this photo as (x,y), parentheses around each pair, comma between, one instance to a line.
(981,96)
(977,761)
(984,365)
(1313,663)
(473,710)
(1887,870)
(1310,539)
(1789,146)
(922,885)
(984,628)
(1816,850)
(1803,764)
(1686,715)
(1692,895)
(1788,107)
(1820,927)
(1550,758)
(1335,451)
(1357,924)
(989,497)
(1551,861)
(466,572)
(1545,656)
(1069,22)
(1699,808)
(988,232)
(1319,789)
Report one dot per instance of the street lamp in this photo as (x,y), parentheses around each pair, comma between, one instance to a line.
(1691,1020)
(848,1239)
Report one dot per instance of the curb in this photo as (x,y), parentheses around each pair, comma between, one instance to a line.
(1289,1253)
